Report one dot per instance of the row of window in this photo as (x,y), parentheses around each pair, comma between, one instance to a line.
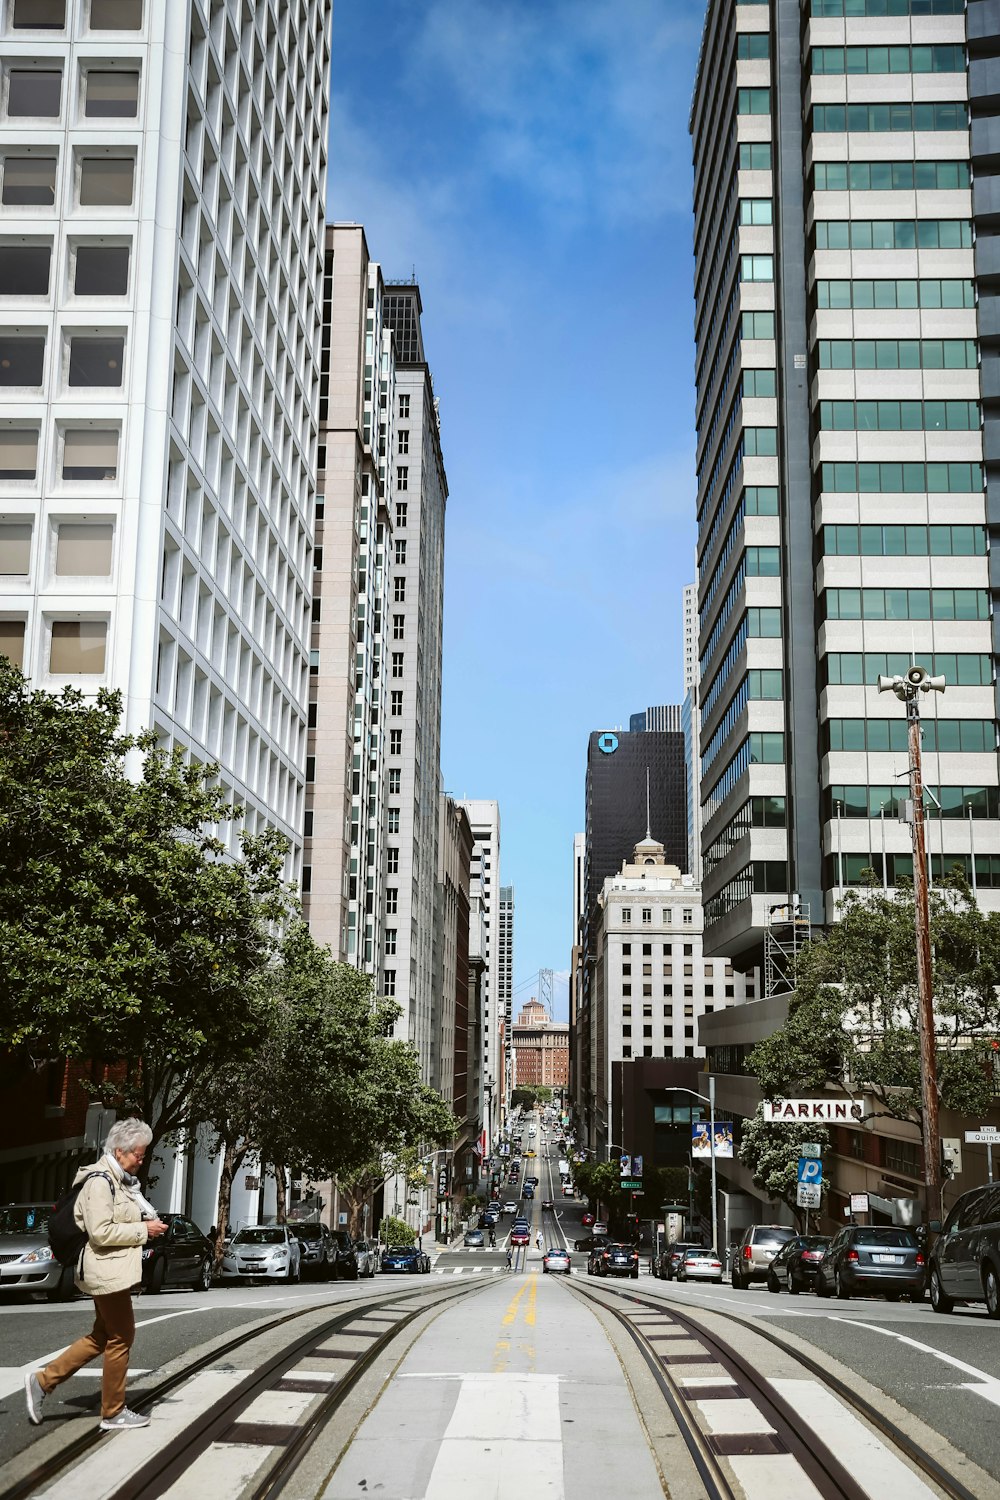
(81,549)
(893,234)
(851,8)
(942,736)
(85,453)
(759,748)
(50,15)
(944,57)
(899,416)
(758,622)
(757,812)
(901,478)
(36,93)
(100,182)
(858,869)
(76,648)
(767,876)
(889,800)
(895,540)
(889,176)
(88,361)
(887,295)
(758,685)
(879,118)
(95,270)
(897,354)
(904,604)
(855,668)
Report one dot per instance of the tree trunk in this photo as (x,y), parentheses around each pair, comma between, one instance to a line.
(280,1177)
(232,1160)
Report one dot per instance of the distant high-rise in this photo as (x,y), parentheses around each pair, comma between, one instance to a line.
(691,727)
(484,817)
(846,291)
(505,980)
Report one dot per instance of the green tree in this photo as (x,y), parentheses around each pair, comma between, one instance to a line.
(771,1151)
(395,1232)
(523,1097)
(127,937)
(853,1019)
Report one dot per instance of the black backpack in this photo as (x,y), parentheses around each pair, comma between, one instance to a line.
(66,1238)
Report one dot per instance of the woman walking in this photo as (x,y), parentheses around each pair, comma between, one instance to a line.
(110,1210)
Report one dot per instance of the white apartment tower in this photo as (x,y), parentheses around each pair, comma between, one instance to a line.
(485,819)
(162,172)
(505,986)
(344,857)
(411,679)
(691,725)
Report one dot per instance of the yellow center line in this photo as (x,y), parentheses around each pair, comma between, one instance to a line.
(529,1311)
(510,1315)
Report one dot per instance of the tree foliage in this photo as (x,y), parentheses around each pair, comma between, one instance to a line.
(126,935)
(395,1233)
(771,1151)
(853,1018)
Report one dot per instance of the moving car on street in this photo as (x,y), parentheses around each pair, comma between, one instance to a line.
(474,1239)
(520,1234)
(26,1260)
(181,1257)
(758,1247)
(510,1207)
(406,1258)
(796,1263)
(699,1265)
(613,1259)
(267,1252)
(867,1258)
(556,1261)
(586,1219)
(547,1203)
(965,1261)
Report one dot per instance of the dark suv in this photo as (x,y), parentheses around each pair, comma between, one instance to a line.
(965,1261)
(755,1252)
(345,1256)
(868,1258)
(317,1249)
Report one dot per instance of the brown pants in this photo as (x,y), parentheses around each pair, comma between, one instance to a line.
(112,1336)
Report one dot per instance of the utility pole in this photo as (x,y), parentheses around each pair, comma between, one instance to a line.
(908,689)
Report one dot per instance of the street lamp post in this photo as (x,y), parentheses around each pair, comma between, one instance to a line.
(709,1099)
(908,689)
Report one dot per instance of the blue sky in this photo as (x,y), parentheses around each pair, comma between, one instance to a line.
(530,161)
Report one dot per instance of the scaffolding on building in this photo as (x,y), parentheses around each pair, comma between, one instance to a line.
(789,928)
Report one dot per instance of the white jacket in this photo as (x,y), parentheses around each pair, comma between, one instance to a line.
(111,1260)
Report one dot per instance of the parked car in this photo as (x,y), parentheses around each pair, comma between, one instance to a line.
(598,1228)
(474,1239)
(26,1260)
(613,1259)
(407,1258)
(867,1258)
(755,1252)
(588,1241)
(557,1261)
(568,1190)
(796,1263)
(269,1252)
(181,1257)
(366,1253)
(670,1258)
(520,1235)
(699,1265)
(345,1256)
(318,1254)
(965,1262)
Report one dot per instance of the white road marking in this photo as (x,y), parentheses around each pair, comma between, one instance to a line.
(773,1476)
(283,1407)
(733,1415)
(163,1317)
(875,1469)
(504,1440)
(985,1385)
(222,1471)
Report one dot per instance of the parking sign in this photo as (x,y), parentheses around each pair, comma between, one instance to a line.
(810,1170)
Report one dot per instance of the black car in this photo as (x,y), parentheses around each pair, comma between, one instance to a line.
(345,1256)
(613,1259)
(965,1261)
(796,1263)
(181,1257)
(590,1242)
(865,1258)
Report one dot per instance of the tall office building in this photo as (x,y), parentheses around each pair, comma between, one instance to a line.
(690,635)
(345,824)
(691,729)
(505,984)
(163,175)
(842,504)
(411,677)
(484,816)
(451,978)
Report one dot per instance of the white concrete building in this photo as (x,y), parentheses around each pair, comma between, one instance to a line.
(484,816)
(162,176)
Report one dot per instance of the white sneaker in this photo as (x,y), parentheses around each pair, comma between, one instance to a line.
(34,1396)
(123,1420)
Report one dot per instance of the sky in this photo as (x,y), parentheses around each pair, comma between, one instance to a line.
(529,161)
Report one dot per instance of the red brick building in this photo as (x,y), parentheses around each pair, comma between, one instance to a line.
(541,1049)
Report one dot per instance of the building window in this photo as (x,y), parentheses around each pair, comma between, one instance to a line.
(12,641)
(397,664)
(400,554)
(667,916)
(398,627)
(396,702)
(403,440)
(33,94)
(392,861)
(399,590)
(18,452)
(112,96)
(626,950)
(390,939)
(15,548)
(307,879)
(22,360)
(392,820)
(688,916)
(626,989)
(115,15)
(29,181)
(78,647)
(647,916)
(404,406)
(627,1030)
(24,270)
(401,514)
(391,901)
(39,15)
(395,742)
(107,183)
(90,454)
(310,768)
(313,663)
(402,477)
(389,982)
(395,780)
(626,915)
(626,968)
(83,549)
(96,361)
(101,271)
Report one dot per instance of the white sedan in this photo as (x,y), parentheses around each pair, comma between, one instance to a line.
(699,1265)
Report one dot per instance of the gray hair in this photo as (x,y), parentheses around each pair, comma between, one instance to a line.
(128,1135)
